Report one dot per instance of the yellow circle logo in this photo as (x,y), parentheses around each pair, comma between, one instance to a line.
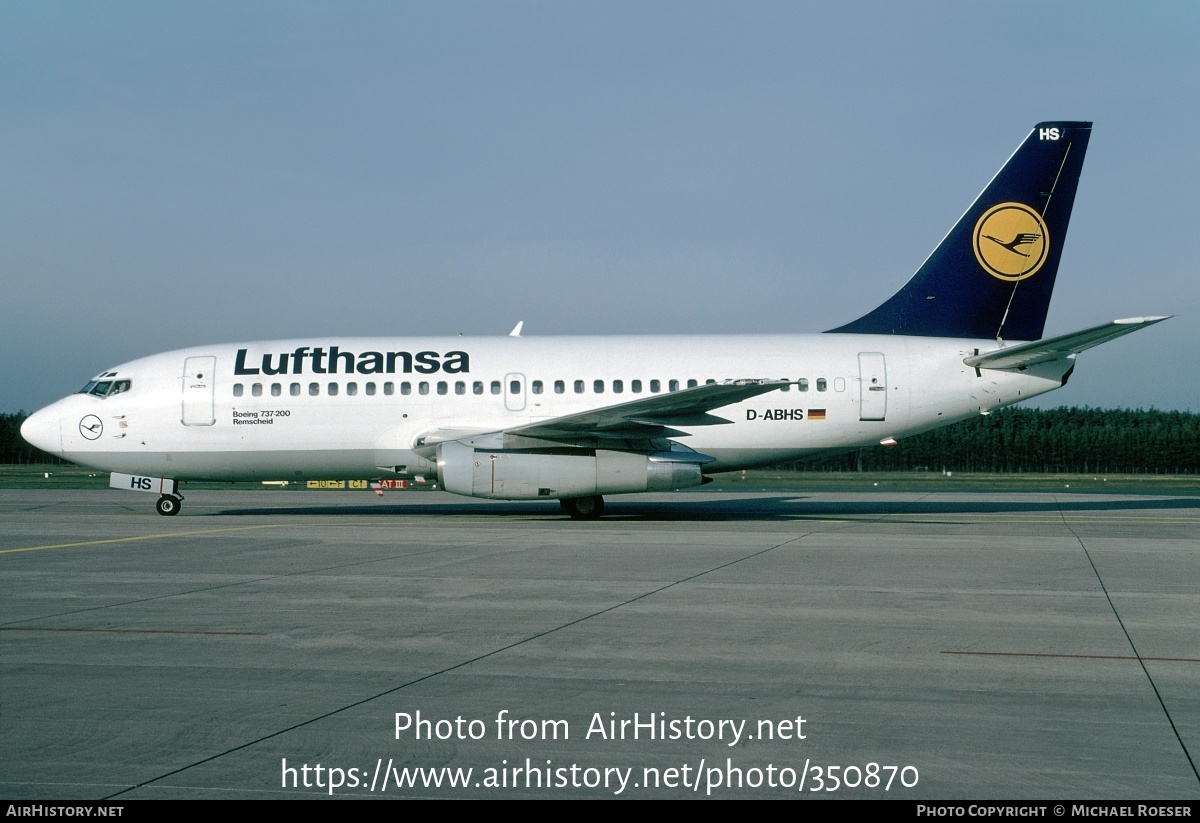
(1011,241)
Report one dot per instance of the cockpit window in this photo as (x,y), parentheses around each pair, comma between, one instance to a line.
(106,388)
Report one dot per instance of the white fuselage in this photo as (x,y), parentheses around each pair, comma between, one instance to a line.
(358,407)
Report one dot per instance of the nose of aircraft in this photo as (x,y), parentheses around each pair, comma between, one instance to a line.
(42,429)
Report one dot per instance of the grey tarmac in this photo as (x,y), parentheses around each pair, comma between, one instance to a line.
(1015,646)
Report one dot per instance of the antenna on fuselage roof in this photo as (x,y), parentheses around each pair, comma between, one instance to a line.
(516,332)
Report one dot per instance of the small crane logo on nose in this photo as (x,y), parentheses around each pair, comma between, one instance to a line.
(91,427)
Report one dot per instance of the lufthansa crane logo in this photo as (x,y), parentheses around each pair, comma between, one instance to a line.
(91,427)
(1011,241)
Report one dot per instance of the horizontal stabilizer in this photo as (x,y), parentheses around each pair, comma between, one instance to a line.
(1024,355)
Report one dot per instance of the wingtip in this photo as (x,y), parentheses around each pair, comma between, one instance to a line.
(1143,321)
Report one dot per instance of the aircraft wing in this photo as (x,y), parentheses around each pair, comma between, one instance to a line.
(638,425)
(650,417)
(1024,355)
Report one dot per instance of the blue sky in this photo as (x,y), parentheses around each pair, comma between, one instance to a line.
(179,174)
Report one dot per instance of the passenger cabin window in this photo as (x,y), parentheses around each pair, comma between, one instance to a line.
(495,387)
(370,388)
(294,389)
(692,384)
(477,387)
(618,386)
(351,389)
(579,387)
(276,390)
(256,390)
(238,389)
(673,385)
(635,386)
(333,389)
(655,386)
(536,387)
(314,389)
(514,386)
(802,384)
(821,384)
(598,386)
(559,387)
(460,387)
(389,388)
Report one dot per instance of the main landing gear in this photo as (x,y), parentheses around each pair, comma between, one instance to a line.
(169,505)
(583,508)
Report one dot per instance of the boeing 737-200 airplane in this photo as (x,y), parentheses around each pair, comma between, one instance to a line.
(575,418)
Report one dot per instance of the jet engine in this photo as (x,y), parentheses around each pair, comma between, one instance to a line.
(560,473)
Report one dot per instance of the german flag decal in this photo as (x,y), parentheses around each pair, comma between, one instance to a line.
(816,414)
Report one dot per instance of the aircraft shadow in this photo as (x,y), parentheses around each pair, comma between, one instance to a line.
(719,509)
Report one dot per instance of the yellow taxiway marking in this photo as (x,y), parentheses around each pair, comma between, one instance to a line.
(140,537)
(128,631)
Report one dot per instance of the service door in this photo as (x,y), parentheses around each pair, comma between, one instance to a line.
(872,386)
(198,386)
(514,391)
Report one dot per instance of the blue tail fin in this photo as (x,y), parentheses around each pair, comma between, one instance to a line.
(993,273)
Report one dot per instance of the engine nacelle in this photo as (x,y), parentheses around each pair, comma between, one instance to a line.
(516,475)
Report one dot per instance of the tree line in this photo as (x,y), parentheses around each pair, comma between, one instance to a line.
(1067,439)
